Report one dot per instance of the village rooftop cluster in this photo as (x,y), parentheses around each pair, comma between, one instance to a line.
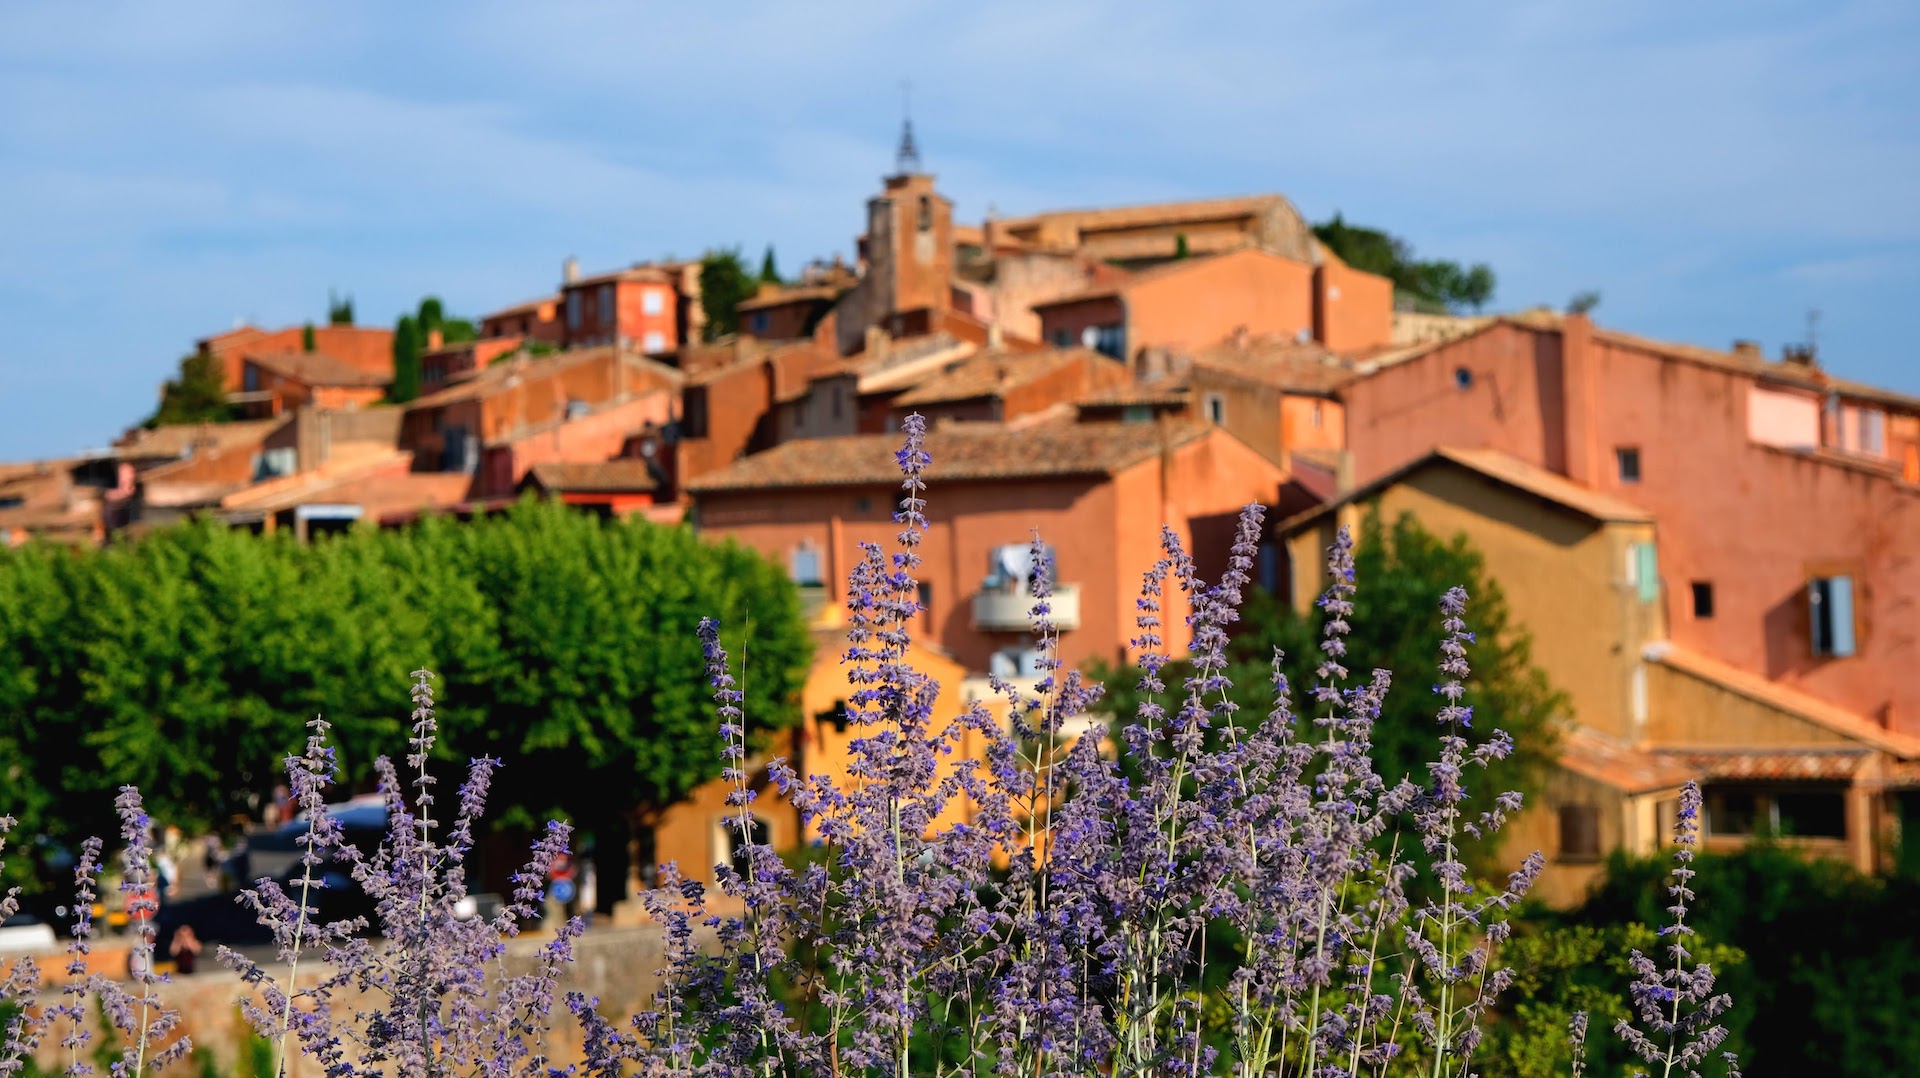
(1712,549)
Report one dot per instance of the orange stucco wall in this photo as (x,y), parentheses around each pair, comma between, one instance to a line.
(1353,309)
(1104,534)
(1265,293)
(1753,521)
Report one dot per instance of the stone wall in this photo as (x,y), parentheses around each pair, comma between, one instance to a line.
(619,966)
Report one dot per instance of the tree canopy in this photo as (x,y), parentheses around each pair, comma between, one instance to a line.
(724,283)
(187,661)
(198,394)
(407,346)
(339,309)
(769,272)
(1432,285)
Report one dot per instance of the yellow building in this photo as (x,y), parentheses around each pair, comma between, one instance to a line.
(1578,571)
(698,833)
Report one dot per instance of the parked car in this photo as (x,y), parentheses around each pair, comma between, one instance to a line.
(24,933)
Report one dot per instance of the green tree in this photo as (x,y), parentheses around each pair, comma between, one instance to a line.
(1583,302)
(407,344)
(723,285)
(1427,285)
(769,273)
(307,342)
(186,662)
(340,310)
(1180,247)
(198,394)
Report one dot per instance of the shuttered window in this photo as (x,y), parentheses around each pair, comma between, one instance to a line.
(1830,612)
(1579,833)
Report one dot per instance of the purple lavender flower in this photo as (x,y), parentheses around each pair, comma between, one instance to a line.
(1676,1013)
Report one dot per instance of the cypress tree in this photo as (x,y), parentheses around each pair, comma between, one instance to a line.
(406,361)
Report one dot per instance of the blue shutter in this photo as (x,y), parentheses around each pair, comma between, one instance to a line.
(1840,613)
(1646,569)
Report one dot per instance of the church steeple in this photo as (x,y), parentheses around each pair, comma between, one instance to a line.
(907,159)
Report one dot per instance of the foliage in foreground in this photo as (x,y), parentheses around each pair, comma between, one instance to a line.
(183,663)
(1056,922)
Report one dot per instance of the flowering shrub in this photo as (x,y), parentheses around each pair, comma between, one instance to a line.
(1067,922)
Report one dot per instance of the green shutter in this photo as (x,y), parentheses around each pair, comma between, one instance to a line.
(1646,566)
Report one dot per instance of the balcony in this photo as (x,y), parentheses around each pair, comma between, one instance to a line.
(1011,610)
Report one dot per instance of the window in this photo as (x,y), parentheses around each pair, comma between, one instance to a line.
(283,460)
(805,566)
(1136,413)
(1702,599)
(1462,378)
(456,452)
(576,409)
(758,322)
(653,301)
(1643,570)
(1830,615)
(863,505)
(758,834)
(1789,811)
(250,381)
(839,400)
(1579,833)
(693,417)
(1873,432)
(1317,417)
(1627,460)
(1216,408)
(606,304)
(926,213)
(1106,340)
(573,310)
(1063,338)
(1732,812)
(654,342)
(925,598)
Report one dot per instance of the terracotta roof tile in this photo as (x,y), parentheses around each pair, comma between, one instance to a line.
(1283,364)
(598,477)
(318,369)
(1501,468)
(493,378)
(990,374)
(1615,763)
(960,451)
(1838,765)
(179,440)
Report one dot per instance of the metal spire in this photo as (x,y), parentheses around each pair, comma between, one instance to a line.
(907,160)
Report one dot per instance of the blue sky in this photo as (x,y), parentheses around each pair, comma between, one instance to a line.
(1715,170)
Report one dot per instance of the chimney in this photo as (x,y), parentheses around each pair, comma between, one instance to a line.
(1240,337)
(1746,349)
(1800,355)
(570,270)
(435,339)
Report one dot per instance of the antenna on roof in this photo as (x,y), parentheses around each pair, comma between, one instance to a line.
(907,160)
(1813,331)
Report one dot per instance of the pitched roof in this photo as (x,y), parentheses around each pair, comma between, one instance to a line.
(991,374)
(777,297)
(1500,468)
(493,378)
(178,440)
(529,305)
(1167,392)
(1281,363)
(960,451)
(598,477)
(1802,376)
(1783,698)
(318,369)
(1615,763)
